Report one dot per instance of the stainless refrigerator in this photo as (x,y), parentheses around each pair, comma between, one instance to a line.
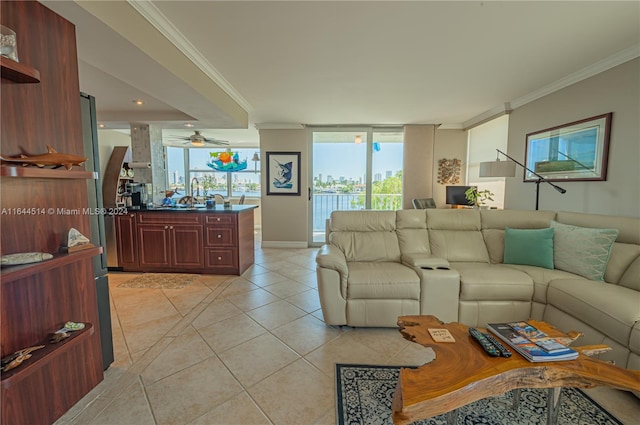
(98,237)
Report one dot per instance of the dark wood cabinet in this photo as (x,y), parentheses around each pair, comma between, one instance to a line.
(153,246)
(126,241)
(186,246)
(196,241)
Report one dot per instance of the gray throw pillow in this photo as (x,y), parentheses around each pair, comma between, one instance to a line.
(582,250)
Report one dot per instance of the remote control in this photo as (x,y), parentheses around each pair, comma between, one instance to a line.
(484,342)
(504,352)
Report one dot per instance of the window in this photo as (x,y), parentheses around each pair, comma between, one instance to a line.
(191,171)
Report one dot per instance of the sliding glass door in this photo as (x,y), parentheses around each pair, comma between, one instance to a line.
(353,169)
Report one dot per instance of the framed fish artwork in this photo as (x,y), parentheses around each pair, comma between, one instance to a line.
(283,173)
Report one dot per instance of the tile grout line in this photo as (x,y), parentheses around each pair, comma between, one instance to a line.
(121,383)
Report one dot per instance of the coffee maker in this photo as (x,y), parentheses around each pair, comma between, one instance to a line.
(140,194)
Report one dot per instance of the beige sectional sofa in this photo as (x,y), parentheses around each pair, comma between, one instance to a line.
(378,265)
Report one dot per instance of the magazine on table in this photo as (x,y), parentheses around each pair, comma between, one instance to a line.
(531,343)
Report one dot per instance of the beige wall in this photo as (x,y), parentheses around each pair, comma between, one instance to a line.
(417,174)
(107,139)
(616,90)
(449,144)
(285,218)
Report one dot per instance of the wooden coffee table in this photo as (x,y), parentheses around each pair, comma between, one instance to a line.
(463,373)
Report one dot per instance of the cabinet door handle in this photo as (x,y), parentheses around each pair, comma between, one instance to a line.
(166,227)
(170,227)
(219,236)
(218,218)
(219,258)
(131,215)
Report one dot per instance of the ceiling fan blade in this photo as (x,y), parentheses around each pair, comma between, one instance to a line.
(216,141)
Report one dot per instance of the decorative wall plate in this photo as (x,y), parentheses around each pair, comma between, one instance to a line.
(130,173)
(123,172)
(24,258)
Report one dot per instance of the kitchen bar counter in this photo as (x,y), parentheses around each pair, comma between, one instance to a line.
(186,239)
(197,208)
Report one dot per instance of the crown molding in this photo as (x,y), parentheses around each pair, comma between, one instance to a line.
(159,21)
(489,115)
(278,126)
(582,74)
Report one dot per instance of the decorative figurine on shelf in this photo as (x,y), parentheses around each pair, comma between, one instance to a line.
(76,241)
(14,360)
(52,157)
(24,258)
(64,333)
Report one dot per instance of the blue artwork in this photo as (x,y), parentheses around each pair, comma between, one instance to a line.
(282,180)
(226,161)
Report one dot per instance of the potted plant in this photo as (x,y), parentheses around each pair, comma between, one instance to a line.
(478,197)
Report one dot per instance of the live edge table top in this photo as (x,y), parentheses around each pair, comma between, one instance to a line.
(462,372)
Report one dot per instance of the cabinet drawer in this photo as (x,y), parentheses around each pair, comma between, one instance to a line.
(169,218)
(221,257)
(220,236)
(224,219)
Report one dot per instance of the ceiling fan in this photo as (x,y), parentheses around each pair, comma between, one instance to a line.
(198,139)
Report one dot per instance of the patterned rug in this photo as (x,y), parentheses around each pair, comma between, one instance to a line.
(160,281)
(365,392)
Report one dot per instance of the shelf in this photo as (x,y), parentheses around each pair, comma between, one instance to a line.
(46,173)
(12,273)
(44,355)
(18,72)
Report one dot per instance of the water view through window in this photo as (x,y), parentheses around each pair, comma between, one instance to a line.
(343,178)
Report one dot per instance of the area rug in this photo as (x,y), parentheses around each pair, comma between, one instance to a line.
(160,281)
(364,396)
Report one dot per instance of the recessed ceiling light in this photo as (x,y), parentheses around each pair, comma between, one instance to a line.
(138,102)
(101,125)
(188,125)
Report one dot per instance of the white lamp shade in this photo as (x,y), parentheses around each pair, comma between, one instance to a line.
(497,169)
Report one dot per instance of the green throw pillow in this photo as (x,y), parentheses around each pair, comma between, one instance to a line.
(531,247)
(582,250)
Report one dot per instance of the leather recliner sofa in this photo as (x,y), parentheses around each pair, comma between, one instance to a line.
(378,265)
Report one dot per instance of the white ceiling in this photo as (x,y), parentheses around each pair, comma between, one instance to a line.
(337,62)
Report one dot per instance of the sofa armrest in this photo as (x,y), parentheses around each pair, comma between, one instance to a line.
(332,272)
(424,261)
(330,257)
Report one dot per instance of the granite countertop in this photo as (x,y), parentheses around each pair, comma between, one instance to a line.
(198,208)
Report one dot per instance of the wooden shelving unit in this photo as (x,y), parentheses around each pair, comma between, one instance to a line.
(113,183)
(18,72)
(46,173)
(37,299)
(12,273)
(44,355)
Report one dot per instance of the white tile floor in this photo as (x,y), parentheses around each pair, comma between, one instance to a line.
(242,350)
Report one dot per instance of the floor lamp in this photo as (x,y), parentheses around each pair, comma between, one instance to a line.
(499,168)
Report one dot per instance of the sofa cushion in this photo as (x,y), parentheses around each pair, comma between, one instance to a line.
(611,309)
(411,227)
(382,280)
(363,221)
(634,340)
(495,221)
(493,282)
(631,277)
(541,278)
(532,247)
(582,250)
(458,245)
(367,246)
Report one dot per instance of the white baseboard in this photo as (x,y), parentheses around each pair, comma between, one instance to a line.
(284,244)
